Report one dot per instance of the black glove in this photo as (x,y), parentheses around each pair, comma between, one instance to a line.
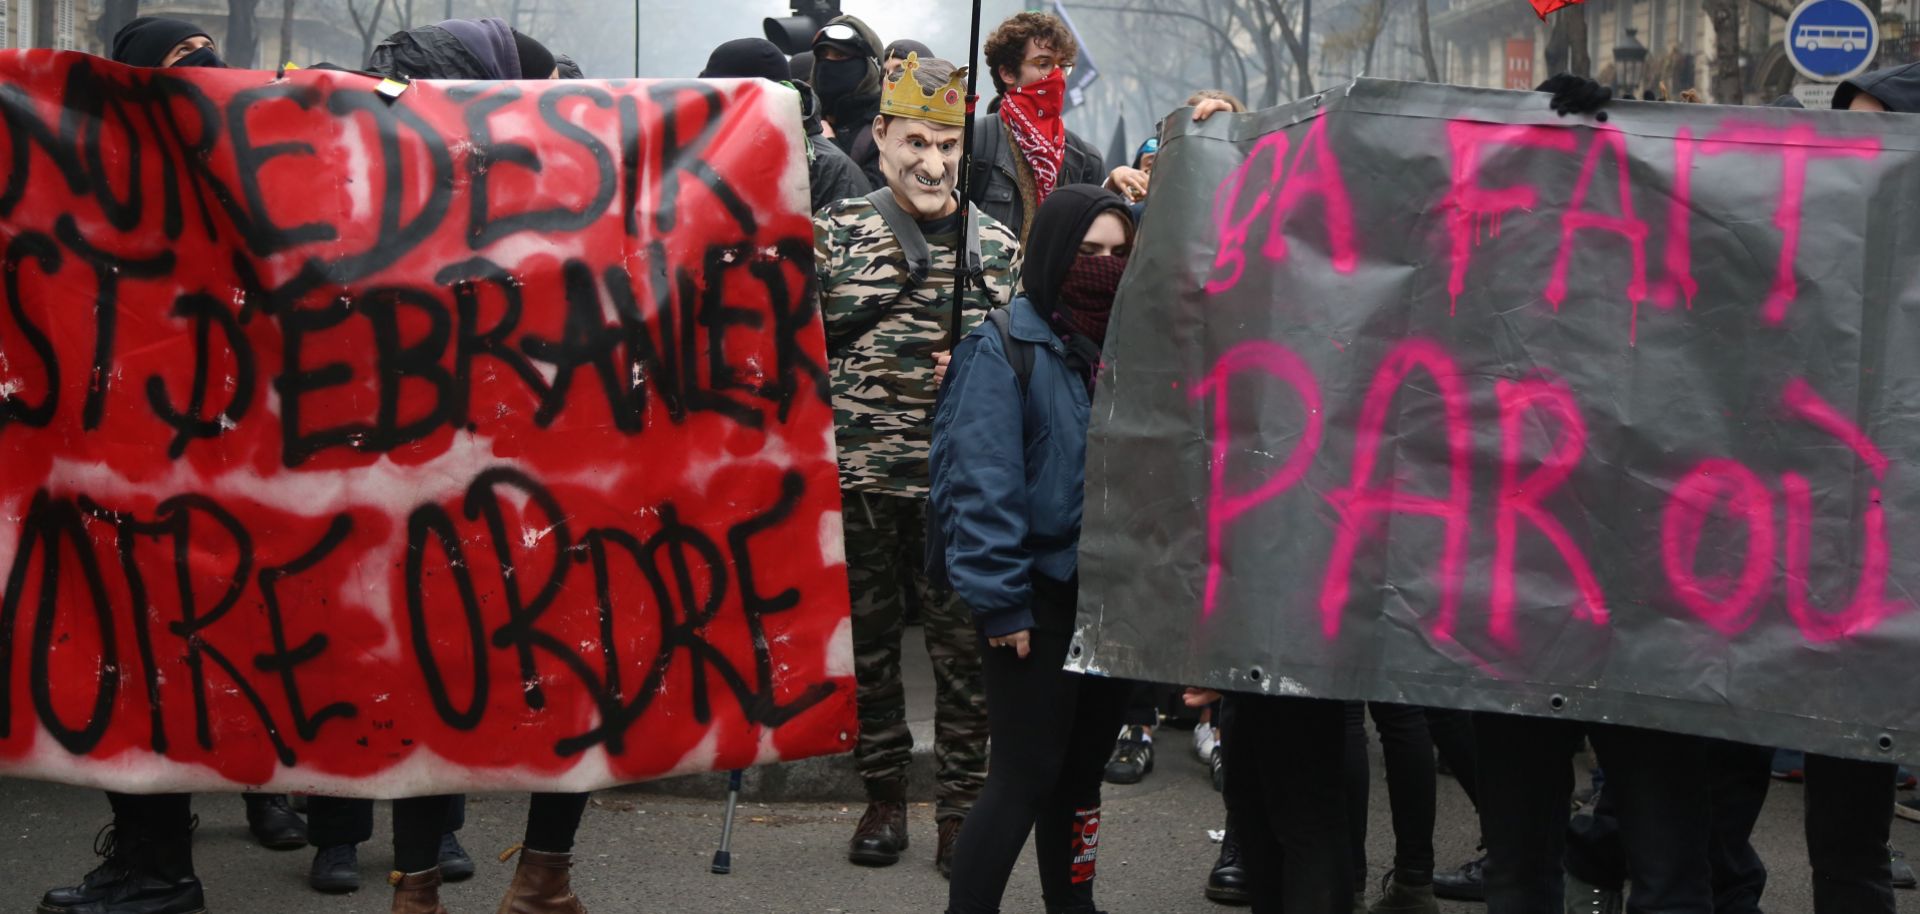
(1576,95)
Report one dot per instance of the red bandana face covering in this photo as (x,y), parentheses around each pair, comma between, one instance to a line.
(1032,115)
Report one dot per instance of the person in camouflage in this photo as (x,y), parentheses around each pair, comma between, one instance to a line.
(887,265)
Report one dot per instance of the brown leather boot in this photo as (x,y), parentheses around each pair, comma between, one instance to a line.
(417,893)
(882,832)
(542,884)
(949,839)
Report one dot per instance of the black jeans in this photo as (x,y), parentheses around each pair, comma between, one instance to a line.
(1285,760)
(1738,780)
(1143,704)
(164,816)
(1052,733)
(1663,806)
(1407,750)
(1849,811)
(1452,733)
(418,822)
(333,821)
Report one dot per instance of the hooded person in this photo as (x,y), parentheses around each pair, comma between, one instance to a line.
(1025,150)
(462,49)
(830,173)
(800,67)
(847,75)
(1008,472)
(897,53)
(156,41)
(887,266)
(1895,89)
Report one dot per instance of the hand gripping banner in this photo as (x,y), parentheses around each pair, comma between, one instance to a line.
(472,439)
(1422,394)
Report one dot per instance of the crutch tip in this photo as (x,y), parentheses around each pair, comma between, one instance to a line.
(722,863)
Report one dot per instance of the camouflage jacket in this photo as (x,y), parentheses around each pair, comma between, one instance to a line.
(881,343)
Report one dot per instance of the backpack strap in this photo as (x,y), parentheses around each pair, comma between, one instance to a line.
(913,244)
(1019,352)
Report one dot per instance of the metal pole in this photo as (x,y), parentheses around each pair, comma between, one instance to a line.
(723,858)
(961,267)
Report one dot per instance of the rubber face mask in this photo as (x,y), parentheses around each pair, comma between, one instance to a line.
(921,161)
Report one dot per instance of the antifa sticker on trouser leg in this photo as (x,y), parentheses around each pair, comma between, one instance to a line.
(1086,844)
(882,533)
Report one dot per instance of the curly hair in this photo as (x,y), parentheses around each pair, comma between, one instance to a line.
(1007,46)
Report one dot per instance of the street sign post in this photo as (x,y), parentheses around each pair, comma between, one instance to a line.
(1831,41)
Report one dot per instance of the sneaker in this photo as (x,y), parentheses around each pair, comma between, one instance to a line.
(1205,740)
(1903,877)
(335,869)
(455,865)
(1908,809)
(1468,883)
(1132,757)
(1789,765)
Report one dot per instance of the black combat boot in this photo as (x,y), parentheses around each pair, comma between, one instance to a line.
(147,870)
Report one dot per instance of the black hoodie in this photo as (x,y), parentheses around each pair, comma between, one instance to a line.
(1059,225)
(1898,88)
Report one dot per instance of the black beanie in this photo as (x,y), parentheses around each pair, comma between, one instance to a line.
(800,66)
(536,62)
(145,41)
(746,58)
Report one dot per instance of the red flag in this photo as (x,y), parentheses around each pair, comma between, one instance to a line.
(1543,7)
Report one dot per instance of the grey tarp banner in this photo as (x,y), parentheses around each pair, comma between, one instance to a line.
(1418,393)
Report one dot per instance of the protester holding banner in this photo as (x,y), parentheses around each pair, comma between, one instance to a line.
(1025,151)
(830,173)
(887,265)
(1009,464)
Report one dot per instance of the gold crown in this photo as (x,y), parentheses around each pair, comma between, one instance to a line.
(904,97)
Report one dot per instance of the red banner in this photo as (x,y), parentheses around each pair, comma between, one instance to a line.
(477,438)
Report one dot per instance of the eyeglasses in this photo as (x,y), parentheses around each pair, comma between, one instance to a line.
(1049,64)
(841,31)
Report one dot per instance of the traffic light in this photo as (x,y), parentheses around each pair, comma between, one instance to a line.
(793,34)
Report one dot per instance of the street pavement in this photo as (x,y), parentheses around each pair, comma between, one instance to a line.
(644,853)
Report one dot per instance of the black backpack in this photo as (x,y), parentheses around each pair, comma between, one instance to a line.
(1019,352)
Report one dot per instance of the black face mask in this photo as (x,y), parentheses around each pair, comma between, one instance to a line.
(202,57)
(837,79)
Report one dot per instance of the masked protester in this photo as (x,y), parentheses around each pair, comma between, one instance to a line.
(463,49)
(153,41)
(846,74)
(425,853)
(148,848)
(1025,150)
(830,173)
(1009,464)
(887,264)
